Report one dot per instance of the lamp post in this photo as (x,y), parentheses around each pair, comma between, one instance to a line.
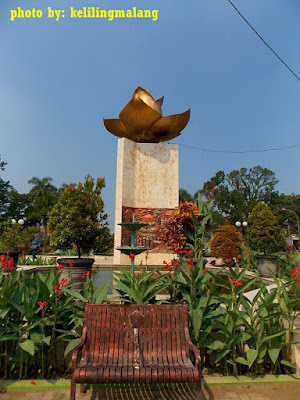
(297,218)
(243,225)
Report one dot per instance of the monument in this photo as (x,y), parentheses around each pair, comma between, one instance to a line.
(147,174)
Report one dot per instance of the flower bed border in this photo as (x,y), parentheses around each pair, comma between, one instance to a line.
(59,384)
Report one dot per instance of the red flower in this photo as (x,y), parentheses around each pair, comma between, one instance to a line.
(85,274)
(214,188)
(3,391)
(171,264)
(7,263)
(23,254)
(236,283)
(63,282)
(61,267)
(176,248)
(190,264)
(131,256)
(239,256)
(56,289)
(205,271)
(71,264)
(42,304)
(295,274)
(33,383)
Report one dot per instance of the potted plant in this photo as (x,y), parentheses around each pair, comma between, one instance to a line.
(75,221)
(264,236)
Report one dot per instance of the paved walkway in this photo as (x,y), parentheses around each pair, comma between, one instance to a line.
(180,392)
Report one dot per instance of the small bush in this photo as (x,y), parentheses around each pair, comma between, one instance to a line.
(226,242)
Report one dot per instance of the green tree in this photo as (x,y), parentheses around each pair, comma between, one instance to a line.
(42,197)
(239,191)
(184,195)
(78,217)
(4,190)
(264,233)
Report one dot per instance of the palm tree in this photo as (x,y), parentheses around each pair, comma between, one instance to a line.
(43,196)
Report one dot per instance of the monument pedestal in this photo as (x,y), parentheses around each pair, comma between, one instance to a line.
(147,191)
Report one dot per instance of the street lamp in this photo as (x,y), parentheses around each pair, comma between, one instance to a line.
(20,221)
(243,224)
(297,218)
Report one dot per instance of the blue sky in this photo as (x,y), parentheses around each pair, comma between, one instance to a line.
(59,79)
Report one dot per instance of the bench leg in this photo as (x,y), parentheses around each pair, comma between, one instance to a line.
(82,389)
(199,391)
(73,389)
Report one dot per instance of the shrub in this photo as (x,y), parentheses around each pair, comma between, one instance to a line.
(77,216)
(226,242)
(264,233)
(181,222)
(16,238)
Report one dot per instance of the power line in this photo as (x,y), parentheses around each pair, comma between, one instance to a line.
(269,47)
(240,152)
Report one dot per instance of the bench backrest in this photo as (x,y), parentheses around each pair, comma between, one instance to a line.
(141,334)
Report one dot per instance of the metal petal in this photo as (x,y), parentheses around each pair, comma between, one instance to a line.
(169,127)
(146,97)
(116,127)
(137,116)
(159,102)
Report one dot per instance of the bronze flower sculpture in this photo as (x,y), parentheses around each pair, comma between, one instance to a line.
(141,120)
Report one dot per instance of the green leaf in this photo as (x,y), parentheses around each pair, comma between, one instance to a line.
(242,337)
(242,360)
(37,337)
(274,354)
(222,354)
(273,335)
(28,346)
(75,294)
(47,340)
(217,344)
(4,312)
(251,356)
(197,317)
(71,346)
(100,293)
(287,363)
(4,338)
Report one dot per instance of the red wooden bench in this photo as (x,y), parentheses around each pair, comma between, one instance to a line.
(135,343)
